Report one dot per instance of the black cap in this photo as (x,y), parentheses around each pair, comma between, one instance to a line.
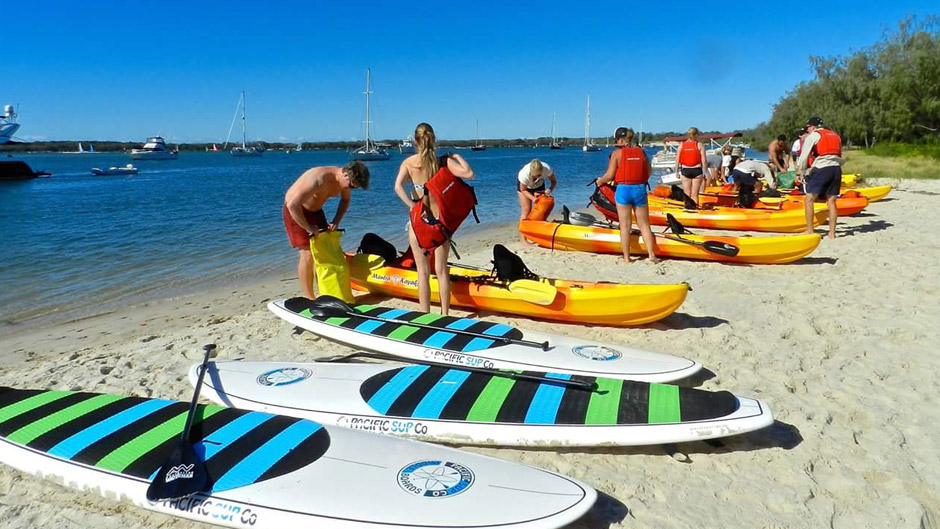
(814,121)
(800,132)
(621,132)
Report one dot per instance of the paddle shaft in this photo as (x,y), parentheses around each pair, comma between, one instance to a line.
(704,244)
(528,343)
(190,416)
(495,372)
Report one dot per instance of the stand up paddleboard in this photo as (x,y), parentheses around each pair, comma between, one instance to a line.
(275,472)
(457,405)
(472,342)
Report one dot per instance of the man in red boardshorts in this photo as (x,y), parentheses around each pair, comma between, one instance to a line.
(303,209)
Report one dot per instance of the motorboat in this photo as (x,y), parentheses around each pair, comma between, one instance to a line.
(11,169)
(154,149)
(8,124)
(588,142)
(665,160)
(128,169)
(245,150)
(371,151)
(406,144)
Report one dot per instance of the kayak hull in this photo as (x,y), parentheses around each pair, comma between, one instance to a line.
(736,219)
(753,250)
(576,302)
(845,206)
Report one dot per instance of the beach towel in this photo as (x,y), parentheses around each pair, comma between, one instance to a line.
(331,266)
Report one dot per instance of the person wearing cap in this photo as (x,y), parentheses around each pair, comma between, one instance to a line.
(531,183)
(778,154)
(820,169)
(630,168)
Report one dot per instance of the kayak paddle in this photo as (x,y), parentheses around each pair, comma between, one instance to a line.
(718,247)
(183,473)
(328,306)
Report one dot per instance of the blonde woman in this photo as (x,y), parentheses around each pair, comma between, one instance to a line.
(690,164)
(531,182)
(630,168)
(425,234)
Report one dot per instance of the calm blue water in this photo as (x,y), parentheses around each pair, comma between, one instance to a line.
(75,244)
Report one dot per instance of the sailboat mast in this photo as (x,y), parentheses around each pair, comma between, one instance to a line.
(478,132)
(553,129)
(368,123)
(244,123)
(587,121)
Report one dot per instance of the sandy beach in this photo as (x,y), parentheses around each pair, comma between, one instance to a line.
(837,344)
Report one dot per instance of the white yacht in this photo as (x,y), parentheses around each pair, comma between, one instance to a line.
(154,149)
(554,145)
(245,149)
(588,142)
(371,151)
(8,124)
(406,144)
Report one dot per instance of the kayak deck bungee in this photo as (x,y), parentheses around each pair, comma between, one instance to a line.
(262,467)
(438,340)
(602,303)
(597,239)
(457,405)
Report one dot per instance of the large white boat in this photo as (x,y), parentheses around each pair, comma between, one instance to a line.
(665,160)
(245,149)
(154,149)
(588,142)
(371,151)
(8,124)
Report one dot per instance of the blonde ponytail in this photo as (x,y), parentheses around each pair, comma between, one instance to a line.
(424,139)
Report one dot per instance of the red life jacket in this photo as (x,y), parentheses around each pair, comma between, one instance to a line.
(633,168)
(829,144)
(690,154)
(455,200)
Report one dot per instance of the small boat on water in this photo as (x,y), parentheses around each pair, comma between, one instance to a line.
(478,146)
(665,160)
(128,169)
(371,151)
(154,149)
(554,145)
(8,124)
(11,169)
(245,150)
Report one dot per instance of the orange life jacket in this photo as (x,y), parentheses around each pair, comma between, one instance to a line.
(455,200)
(829,144)
(690,153)
(633,168)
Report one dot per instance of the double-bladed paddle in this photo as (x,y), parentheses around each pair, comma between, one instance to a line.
(183,473)
(495,372)
(328,307)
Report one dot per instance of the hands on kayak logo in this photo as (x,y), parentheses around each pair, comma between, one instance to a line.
(284,376)
(435,479)
(596,352)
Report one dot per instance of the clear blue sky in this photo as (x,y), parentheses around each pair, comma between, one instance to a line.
(126,70)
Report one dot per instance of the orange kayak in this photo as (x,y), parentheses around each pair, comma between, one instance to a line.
(604,303)
(872,193)
(846,204)
(753,250)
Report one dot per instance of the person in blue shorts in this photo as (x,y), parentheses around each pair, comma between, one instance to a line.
(630,168)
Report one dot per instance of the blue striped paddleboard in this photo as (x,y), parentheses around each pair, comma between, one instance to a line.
(275,472)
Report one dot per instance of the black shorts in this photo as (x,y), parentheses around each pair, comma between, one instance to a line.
(745,179)
(691,172)
(533,190)
(824,182)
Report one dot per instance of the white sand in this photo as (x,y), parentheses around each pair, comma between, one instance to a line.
(838,345)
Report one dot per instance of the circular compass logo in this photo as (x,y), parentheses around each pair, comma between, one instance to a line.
(284,376)
(596,352)
(435,479)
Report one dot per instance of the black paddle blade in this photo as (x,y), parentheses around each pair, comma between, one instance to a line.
(183,475)
(565,214)
(325,306)
(721,248)
(674,225)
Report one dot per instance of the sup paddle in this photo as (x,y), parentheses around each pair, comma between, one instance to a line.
(328,307)
(183,473)
(589,386)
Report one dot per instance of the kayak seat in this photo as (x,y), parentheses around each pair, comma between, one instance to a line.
(375,245)
(509,266)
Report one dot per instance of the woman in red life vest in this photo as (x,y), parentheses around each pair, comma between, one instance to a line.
(420,168)
(690,164)
(630,168)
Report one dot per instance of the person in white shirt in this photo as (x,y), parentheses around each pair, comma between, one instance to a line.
(530,183)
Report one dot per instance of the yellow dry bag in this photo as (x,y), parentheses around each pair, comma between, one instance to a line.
(331,266)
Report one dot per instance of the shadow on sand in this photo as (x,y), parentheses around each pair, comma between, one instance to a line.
(681,320)
(873,226)
(606,511)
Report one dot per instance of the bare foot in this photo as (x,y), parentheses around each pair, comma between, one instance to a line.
(831,236)
(808,232)
(653,259)
(627,260)
(525,241)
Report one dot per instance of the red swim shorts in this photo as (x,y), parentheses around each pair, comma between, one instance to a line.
(299,238)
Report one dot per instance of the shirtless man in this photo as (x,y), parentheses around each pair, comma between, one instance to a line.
(303,209)
(778,153)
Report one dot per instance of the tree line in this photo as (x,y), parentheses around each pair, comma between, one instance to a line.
(888,92)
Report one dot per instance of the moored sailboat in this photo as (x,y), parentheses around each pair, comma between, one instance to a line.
(371,151)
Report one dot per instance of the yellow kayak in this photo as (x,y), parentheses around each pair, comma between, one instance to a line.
(873,194)
(603,303)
